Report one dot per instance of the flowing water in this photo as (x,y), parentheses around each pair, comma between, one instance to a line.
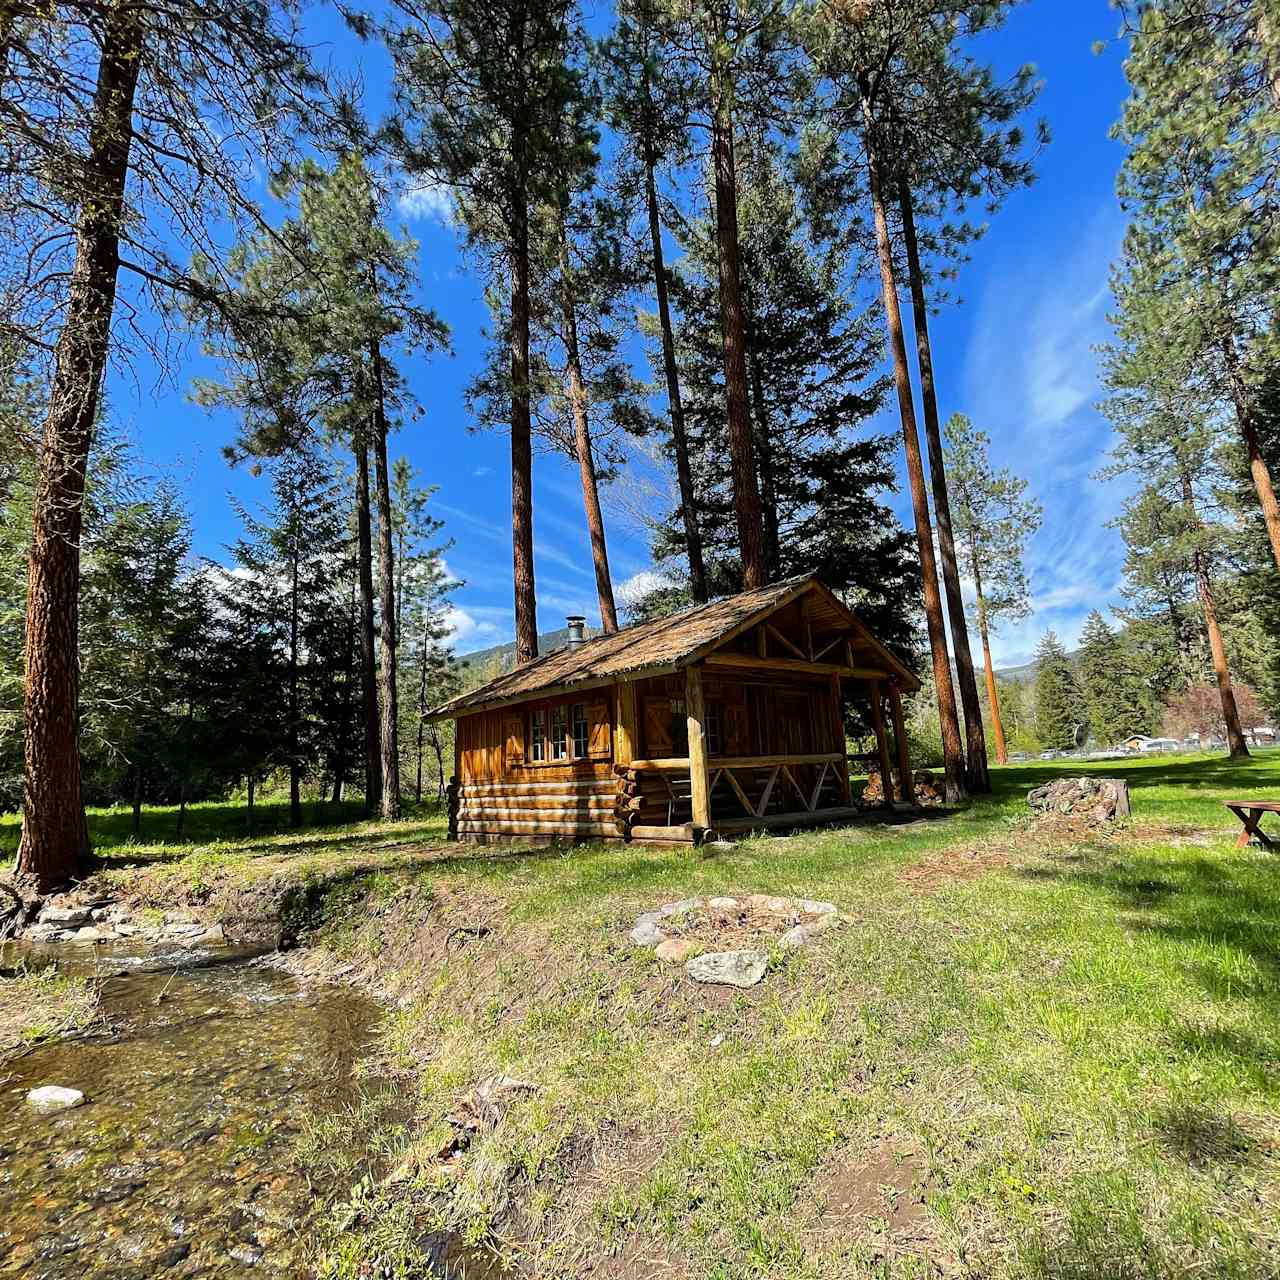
(179,1162)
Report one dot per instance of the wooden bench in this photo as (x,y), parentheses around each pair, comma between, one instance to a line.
(1250,814)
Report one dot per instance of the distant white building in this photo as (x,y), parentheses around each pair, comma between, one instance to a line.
(1136,742)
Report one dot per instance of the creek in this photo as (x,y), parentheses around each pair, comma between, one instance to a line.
(179,1163)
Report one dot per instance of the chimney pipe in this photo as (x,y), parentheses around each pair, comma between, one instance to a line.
(576,625)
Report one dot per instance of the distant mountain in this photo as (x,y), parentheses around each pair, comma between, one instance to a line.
(498,659)
(1026,673)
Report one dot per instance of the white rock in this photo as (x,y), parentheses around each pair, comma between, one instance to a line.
(91,933)
(729,968)
(53,1097)
(679,908)
(817,908)
(799,934)
(646,933)
(64,916)
(722,904)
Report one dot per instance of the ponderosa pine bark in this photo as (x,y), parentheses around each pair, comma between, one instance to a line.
(1248,428)
(295,755)
(953,752)
(389,726)
(977,775)
(55,837)
(368,653)
(1237,748)
(984,632)
(746,492)
(675,405)
(526,603)
(582,442)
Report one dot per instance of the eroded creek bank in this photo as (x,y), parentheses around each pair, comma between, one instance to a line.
(182,1161)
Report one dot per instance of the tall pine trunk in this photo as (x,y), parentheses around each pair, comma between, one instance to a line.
(55,836)
(526,602)
(389,721)
(993,694)
(1246,423)
(295,762)
(976,772)
(368,655)
(1236,746)
(746,493)
(953,753)
(422,722)
(768,471)
(675,406)
(582,440)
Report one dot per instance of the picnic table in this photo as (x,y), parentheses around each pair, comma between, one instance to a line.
(1250,814)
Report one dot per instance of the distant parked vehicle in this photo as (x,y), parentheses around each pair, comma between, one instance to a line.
(1048,755)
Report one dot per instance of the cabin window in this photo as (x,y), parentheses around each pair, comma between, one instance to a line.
(538,735)
(713,728)
(581,731)
(679,727)
(559,747)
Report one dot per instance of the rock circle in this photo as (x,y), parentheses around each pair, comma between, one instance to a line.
(738,967)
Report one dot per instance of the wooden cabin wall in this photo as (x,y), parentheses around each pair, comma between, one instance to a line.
(486,752)
(768,713)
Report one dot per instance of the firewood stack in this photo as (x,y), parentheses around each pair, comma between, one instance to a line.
(929,793)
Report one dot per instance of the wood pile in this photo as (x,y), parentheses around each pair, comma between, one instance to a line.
(929,788)
(1098,800)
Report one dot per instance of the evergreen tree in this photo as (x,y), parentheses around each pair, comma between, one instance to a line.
(1113,694)
(123,130)
(1200,273)
(491,105)
(648,105)
(1172,526)
(811,359)
(993,520)
(1061,711)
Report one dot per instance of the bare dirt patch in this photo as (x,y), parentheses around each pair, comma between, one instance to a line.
(952,866)
(883,1187)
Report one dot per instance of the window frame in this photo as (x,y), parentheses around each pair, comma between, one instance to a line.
(564,709)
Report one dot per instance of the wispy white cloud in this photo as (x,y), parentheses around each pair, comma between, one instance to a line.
(1031,381)
(428,202)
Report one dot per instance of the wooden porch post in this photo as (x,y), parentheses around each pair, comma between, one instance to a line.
(624,736)
(904,749)
(882,742)
(699,793)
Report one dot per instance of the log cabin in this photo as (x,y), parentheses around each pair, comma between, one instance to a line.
(718,720)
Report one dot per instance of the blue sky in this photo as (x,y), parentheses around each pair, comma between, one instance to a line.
(1015,354)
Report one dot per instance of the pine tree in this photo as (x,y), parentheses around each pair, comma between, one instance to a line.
(1171,526)
(1061,712)
(102,106)
(489,106)
(992,520)
(1200,179)
(811,358)
(648,105)
(1113,695)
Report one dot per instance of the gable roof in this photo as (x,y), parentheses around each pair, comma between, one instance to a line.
(667,644)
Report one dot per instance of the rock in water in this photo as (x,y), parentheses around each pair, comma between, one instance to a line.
(729,968)
(53,1097)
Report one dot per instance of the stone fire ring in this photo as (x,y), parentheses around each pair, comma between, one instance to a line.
(730,968)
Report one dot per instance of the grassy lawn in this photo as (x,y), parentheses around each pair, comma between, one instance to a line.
(1024,1054)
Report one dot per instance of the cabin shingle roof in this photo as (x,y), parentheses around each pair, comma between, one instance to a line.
(663,644)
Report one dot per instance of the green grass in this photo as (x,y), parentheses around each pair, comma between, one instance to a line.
(1022,1056)
(1064,1066)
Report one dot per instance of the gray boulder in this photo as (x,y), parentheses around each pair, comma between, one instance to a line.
(728,968)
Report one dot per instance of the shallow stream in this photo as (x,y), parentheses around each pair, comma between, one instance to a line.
(179,1162)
